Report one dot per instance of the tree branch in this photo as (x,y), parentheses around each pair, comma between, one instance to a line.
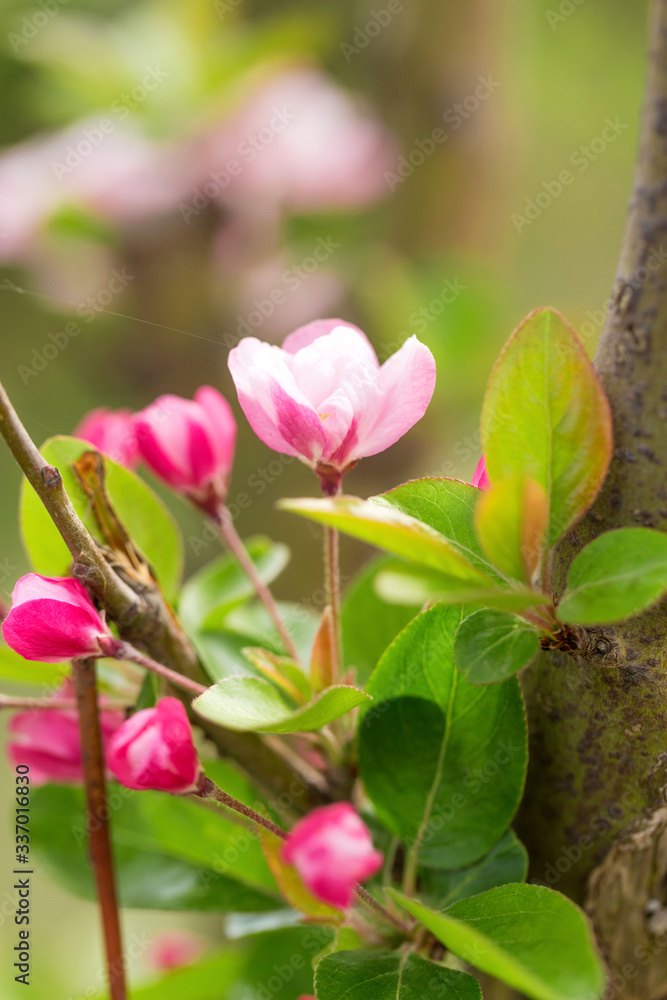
(597,734)
(145,620)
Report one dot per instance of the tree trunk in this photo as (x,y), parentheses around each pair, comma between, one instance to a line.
(594,817)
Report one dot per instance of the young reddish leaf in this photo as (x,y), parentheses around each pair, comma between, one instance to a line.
(291,886)
(321,658)
(511,520)
(545,416)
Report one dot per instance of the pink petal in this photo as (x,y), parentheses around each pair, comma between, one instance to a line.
(406,382)
(51,631)
(480,477)
(222,424)
(305,335)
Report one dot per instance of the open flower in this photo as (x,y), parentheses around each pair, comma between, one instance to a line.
(111,432)
(324,397)
(480,477)
(153,749)
(53,619)
(48,740)
(332,850)
(189,443)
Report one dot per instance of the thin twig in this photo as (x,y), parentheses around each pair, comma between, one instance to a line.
(83,675)
(238,550)
(125,651)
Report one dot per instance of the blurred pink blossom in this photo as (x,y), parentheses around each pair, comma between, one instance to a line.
(174,949)
(480,477)
(112,432)
(48,741)
(332,850)
(302,141)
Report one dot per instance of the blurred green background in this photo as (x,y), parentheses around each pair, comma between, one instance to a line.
(482,228)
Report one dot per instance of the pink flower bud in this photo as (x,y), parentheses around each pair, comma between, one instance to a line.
(174,949)
(54,620)
(324,398)
(153,749)
(48,741)
(111,432)
(190,444)
(480,477)
(332,850)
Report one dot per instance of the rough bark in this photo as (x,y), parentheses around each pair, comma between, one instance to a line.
(599,724)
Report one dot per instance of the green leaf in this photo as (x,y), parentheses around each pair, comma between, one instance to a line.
(491,646)
(545,416)
(282,671)
(390,975)
(14,668)
(149,692)
(443,761)
(214,591)
(146,519)
(506,862)
(616,576)
(171,853)
(368,623)
(379,523)
(511,520)
(528,936)
(254,704)
(400,584)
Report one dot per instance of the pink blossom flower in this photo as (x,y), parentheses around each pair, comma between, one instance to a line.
(324,397)
(303,143)
(480,477)
(174,949)
(153,749)
(54,620)
(48,740)
(332,850)
(111,432)
(190,444)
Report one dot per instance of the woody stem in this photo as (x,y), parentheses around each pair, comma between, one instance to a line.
(83,676)
(125,651)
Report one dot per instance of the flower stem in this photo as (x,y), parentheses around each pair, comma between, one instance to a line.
(83,675)
(125,651)
(209,790)
(237,548)
(332,584)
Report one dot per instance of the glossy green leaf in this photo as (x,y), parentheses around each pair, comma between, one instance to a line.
(545,416)
(511,521)
(491,646)
(506,862)
(254,704)
(14,668)
(379,523)
(209,595)
(442,760)
(528,936)
(369,623)
(616,576)
(171,853)
(390,975)
(282,671)
(415,585)
(146,519)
